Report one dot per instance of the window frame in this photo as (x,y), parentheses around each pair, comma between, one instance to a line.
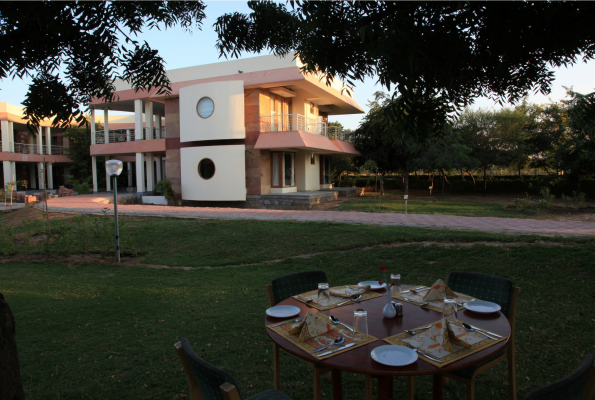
(281,155)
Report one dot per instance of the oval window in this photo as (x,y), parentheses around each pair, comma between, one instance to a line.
(205,107)
(206,168)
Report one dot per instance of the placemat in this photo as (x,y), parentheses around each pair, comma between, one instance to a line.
(322,340)
(475,340)
(333,301)
(416,298)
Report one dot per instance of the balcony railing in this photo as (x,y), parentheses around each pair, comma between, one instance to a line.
(128,135)
(296,122)
(27,148)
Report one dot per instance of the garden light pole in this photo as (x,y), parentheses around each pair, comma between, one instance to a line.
(114,169)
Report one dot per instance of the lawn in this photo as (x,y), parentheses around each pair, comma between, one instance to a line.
(98,330)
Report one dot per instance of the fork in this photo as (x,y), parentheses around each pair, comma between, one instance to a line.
(281,323)
(418,329)
(422,353)
(420,303)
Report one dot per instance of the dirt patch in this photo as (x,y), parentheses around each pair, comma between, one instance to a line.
(16,217)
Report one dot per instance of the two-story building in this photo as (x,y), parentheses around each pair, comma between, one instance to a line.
(229,131)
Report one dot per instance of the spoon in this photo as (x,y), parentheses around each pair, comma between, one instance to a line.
(338,340)
(354,298)
(472,329)
(336,321)
(418,329)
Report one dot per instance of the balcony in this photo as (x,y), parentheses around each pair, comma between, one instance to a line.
(26,148)
(128,135)
(296,122)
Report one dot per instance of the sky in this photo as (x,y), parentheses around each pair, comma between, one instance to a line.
(183,49)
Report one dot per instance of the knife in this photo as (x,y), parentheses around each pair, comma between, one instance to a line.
(415,288)
(307,300)
(489,333)
(334,351)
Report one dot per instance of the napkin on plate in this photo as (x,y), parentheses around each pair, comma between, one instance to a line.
(310,327)
(349,292)
(438,291)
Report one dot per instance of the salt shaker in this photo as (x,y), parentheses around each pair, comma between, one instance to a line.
(398,308)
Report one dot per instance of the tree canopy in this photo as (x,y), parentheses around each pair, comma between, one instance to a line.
(72,51)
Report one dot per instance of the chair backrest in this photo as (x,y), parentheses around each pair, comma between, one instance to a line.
(209,377)
(484,287)
(193,389)
(571,387)
(292,284)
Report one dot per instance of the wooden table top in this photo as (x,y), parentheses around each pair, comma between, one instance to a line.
(359,360)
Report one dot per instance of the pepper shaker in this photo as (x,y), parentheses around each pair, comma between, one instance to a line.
(398,308)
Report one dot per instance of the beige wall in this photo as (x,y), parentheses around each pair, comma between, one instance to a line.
(308,175)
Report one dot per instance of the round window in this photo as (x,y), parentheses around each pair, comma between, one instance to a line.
(206,168)
(205,107)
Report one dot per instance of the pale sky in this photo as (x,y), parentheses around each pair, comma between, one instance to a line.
(181,49)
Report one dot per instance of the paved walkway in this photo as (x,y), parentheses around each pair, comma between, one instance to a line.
(94,204)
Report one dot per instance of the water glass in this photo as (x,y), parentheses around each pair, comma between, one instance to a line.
(360,322)
(449,302)
(396,279)
(323,289)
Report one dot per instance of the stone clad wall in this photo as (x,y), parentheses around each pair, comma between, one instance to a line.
(172,157)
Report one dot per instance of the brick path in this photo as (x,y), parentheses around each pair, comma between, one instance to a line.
(94,204)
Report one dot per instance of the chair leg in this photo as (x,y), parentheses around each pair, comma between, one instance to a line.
(276,371)
(511,372)
(446,381)
(471,389)
(410,388)
(316,384)
(368,379)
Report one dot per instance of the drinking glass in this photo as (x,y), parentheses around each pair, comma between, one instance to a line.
(323,289)
(360,322)
(396,278)
(449,302)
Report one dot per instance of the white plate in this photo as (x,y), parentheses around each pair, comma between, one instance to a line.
(374,285)
(283,311)
(393,355)
(482,307)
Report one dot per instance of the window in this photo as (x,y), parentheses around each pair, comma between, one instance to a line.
(206,168)
(325,170)
(282,169)
(205,107)
(313,159)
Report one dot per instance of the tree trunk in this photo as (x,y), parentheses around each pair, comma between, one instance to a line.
(485,182)
(376,182)
(406,183)
(10,375)
(442,172)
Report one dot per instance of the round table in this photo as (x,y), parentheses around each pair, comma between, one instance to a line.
(359,361)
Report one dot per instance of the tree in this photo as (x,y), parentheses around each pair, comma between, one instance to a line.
(72,50)
(10,375)
(79,139)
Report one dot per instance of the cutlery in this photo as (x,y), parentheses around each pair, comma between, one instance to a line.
(423,353)
(281,323)
(336,321)
(415,291)
(418,329)
(483,330)
(336,350)
(307,300)
(338,340)
(471,329)
(420,303)
(354,299)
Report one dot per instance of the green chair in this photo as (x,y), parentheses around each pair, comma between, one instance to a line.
(214,383)
(283,288)
(579,385)
(497,290)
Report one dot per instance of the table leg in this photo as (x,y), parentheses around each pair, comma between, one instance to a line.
(437,387)
(337,385)
(385,388)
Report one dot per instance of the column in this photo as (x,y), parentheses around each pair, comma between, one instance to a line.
(158,168)
(138,120)
(48,166)
(140,172)
(7,168)
(94,172)
(150,172)
(7,136)
(32,177)
(129,165)
(128,135)
(39,144)
(108,179)
(149,121)
(164,169)
(93,127)
(105,127)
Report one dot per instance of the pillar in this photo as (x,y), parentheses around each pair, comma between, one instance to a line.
(108,179)
(129,174)
(158,168)
(106,127)
(39,145)
(93,138)
(149,122)
(150,172)
(164,169)
(94,172)
(140,172)
(7,171)
(32,177)
(128,135)
(138,124)
(7,136)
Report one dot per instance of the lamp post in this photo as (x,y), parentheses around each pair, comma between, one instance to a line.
(114,169)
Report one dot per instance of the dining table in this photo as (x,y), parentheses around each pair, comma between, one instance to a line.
(358,360)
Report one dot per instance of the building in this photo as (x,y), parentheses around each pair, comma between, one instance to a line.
(228,132)
(23,152)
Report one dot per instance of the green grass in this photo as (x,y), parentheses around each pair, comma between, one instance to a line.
(106,331)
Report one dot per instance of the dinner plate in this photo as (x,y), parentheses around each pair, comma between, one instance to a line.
(393,355)
(482,307)
(283,311)
(374,285)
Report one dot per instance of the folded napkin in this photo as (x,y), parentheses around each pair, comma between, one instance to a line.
(438,291)
(350,292)
(310,327)
(439,333)
(442,335)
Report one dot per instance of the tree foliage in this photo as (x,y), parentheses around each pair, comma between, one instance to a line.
(72,50)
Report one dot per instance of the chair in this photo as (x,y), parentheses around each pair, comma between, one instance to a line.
(283,288)
(207,382)
(579,385)
(497,290)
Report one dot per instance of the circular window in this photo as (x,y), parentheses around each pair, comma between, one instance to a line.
(206,168)
(205,107)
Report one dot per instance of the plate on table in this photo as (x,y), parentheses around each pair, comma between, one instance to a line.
(374,285)
(482,307)
(393,355)
(283,311)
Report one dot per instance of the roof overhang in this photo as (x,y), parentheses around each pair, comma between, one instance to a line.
(304,141)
